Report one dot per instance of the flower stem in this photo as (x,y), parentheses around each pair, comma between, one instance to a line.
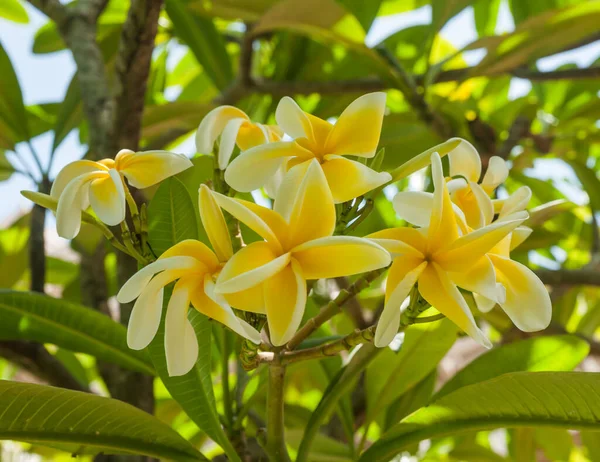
(227,404)
(275,427)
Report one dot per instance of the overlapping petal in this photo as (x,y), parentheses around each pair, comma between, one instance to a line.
(107,198)
(214,224)
(147,168)
(464,161)
(401,241)
(181,344)
(73,199)
(72,171)
(213,125)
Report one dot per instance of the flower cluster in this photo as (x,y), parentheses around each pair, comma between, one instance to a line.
(461,237)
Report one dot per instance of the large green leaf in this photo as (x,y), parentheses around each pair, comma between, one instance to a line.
(201,35)
(589,180)
(13,11)
(171,216)
(13,115)
(29,316)
(6,168)
(520,399)
(193,391)
(392,374)
(86,424)
(558,353)
(245,10)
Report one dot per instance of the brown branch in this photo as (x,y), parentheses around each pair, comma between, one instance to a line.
(34,358)
(353,306)
(589,277)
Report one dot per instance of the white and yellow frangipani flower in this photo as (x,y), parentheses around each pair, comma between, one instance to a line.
(234,127)
(439,260)
(195,267)
(100,184)
(298,245)
(356,133)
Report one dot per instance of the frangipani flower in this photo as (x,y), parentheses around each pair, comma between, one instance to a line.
(439,259)
(195,267)
(100,184)
(298,246)
(356,133)
(235,127)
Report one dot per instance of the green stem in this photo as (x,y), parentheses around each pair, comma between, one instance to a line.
(227,403)
(275,426)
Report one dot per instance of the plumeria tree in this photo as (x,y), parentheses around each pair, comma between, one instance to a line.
(336,252)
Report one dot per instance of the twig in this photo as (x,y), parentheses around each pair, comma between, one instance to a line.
(275,446)
(588,277)
(332,308)
(353,306)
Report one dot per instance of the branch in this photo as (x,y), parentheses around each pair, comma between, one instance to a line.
(332,308)
(34,358)
(589,277)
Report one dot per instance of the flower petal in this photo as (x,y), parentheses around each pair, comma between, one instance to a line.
(336,256)
(251,135)
(357,130)
(253,168)
(146,312)
(293,120)
(443,228)
(517,202)
(465,162)
(401,241)
(214,224)
(527,302)
(205,258)
(416,206)
(252,299)
(146,168)
(285,299)
(348,179)
(436,287)
(71,202)
(213,125)
(181,344)
(107,198)
(406,274)
(480,279)
(70,172)
(466,250)
(136,283)
(228,140)
(247,214)
(484,204)
(311,214)
(496,174)
(485,305)
(519,235)
(250,266)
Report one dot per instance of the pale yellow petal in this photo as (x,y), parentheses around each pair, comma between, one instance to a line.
(519,235)
(348,179)
(437,289)
(70,172)
(288,187)
(337,256)
(242,211)
(250,266)
(285,299)
(443,227)
(293,120)
(147,168)
(517,202)
(312,213)
(358,129)
(401,241)
(205,258)
(253,168)
(181,345)
(485,305)
(466,250)
(496,174)
(480,279)
(389,322)
(416,206)
(213,125)
(228,141)
(107,198)
(214,224)
(465,162)
(73,199)
(527,302)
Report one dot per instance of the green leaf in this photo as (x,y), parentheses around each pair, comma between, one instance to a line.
(171,216)
(444,10)
(558,353)
(392,374)
(486,16)
(201,35)
(555,442)
(589,180)
(519,399)
(6,168)
(410,401)
(29,316)
(324,449)
(86,424)
(13,11)
(365,12)
(13,116)
(244,10)
(342,383)
(193,391)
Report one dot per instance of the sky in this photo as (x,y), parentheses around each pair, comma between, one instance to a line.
(44,78)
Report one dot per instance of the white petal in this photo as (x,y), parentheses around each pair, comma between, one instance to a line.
(136,283)
(292,119)
(181,344)
(519,235)
(213,124)
(71,203)
(253,277)
(72,171)
(484,305)
(416,206)
(484,203)
(517,202)
(389,323)
(496,174)
(465,161)
(227,144)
